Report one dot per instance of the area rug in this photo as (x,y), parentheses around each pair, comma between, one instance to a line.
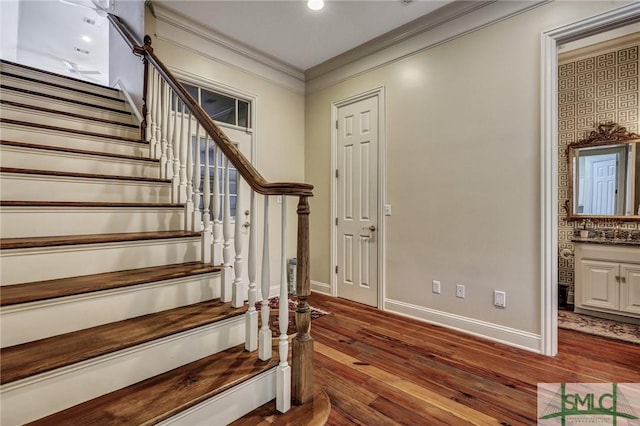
(274,324)
(598,326)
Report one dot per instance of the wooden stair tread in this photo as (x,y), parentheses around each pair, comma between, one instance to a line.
(50,289)
(78,151)
(167,394)
(68,114)
(66,240)
(60,98)
(20,203)
(74,131)
(28,359)
(82,175)
(15,64)
(60,86)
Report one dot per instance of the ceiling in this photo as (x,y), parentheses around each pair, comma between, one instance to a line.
(292,33)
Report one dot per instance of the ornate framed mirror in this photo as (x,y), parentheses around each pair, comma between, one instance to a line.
(604,175)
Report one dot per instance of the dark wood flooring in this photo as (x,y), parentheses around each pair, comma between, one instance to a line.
(383,369)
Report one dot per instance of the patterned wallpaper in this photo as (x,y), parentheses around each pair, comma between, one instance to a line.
(594,89)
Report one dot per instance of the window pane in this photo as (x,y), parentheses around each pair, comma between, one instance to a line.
(193,91)
(243,113)
(233,182)
(219,107)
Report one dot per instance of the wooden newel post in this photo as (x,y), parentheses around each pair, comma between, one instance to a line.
(302,344)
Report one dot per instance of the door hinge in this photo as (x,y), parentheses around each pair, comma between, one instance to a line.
(336,269)
(336,124)
(337,173)
(336,221)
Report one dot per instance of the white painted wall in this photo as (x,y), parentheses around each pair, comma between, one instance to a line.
(463,173)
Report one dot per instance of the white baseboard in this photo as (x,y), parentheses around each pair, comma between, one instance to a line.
(495,332)
(320,287)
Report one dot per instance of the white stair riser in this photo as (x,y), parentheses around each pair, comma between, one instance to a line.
(66,387)
(63,93)
(40,159)
(229,405)
(59,105)
(60,120)
(38,75)
(55,188)
(25,222)
(29,134)
(38,264)
(37,320)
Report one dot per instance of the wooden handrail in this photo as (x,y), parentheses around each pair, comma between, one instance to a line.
(253,178)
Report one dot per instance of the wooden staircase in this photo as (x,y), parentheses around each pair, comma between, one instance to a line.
(108,314)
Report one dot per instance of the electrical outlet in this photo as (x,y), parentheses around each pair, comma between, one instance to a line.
(460,291)
(500,299)
(435,286)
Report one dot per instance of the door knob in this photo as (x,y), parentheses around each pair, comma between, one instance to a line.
(370,228)
(246,224)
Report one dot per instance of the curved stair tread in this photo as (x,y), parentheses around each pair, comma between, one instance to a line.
(81,175)
(160,397)
(29,359)
(74,131)
(4,86)
(67,240)
(51,289)
(97,204)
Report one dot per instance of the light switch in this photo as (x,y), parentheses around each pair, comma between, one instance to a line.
(387,209)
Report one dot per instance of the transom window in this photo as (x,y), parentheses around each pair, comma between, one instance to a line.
(221,107)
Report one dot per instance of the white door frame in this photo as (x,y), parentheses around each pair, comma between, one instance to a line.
(550,40)
(379,93)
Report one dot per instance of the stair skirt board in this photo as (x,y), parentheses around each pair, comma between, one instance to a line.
(68,386)
(46,159)
(72,95)
(41,100)
(34,187)
(61,120)
(51,221)
(57,79)
(47,263)
(26,322)
(229,405)
(47,137)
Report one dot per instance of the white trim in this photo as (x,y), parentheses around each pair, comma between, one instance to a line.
(320,287)
(378,93)
(194,37)
(550,40)
(132,105)
(466,22)
(495,332)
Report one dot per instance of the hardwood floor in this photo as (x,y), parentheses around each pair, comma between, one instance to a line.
(383,369)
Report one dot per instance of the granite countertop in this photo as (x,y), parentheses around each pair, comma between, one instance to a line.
(606,241)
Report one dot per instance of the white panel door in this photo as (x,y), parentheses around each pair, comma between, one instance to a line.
(357,201)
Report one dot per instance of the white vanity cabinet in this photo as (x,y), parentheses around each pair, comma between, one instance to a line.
(607,279)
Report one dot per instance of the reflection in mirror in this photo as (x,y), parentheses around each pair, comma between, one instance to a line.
(605,169)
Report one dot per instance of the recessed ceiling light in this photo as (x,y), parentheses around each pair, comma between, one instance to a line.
(315,4)
(86,38)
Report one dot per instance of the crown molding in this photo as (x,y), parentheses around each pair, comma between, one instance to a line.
(455,20)
(181,31)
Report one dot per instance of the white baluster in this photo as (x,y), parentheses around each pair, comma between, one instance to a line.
(197,176)
(177,120)
(227,273)
(151,97)
(216,249)
(251,332)
(207,233)
(264,343)
(164,126)
(188,217)
(158,117)
(238,293)
(283,373)
(185,142)
(170,134)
